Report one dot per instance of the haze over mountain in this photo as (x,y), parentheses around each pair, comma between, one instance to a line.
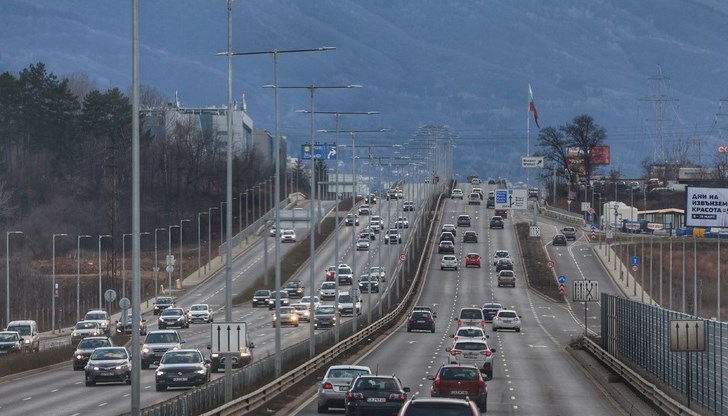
(465,64)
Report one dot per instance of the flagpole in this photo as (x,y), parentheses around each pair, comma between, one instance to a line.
(528,131)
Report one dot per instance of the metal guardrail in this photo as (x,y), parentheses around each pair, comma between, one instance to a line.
(649,390)
(562,216)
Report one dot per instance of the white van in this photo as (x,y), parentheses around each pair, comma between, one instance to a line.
(28,330)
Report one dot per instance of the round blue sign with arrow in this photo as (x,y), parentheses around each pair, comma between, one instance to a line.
(635,261)
(562,279)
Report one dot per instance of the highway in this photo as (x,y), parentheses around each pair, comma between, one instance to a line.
(533,374)
(64,390)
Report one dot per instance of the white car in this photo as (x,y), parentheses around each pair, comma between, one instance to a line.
(288,236)
(507,319)
(335,384)
(362,244)
(103,319)
(469,333)
(307,301)
(327,290)
(364,209)
(449,261)
(457,193)
(375,223)
(349,303)
(200,312)
(303,310)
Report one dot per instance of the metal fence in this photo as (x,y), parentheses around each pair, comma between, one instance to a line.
(640,333)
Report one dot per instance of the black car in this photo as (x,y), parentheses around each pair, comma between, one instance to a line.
(108,364)
(182,368)
(365,284)
(490,310)
(420,321)
(176,317)
(464,221)
(86,347)
(283,298)
(294,289)
(447,236)
(371,393)
(496,222)
(559,240)
(261,297)
(162,303)
(470,237)
(504,264)
(450,228)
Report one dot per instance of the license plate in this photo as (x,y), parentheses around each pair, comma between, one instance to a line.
(179,379)
(508,321)
(3,352)
(470,355)
(107,374)
(420,322)
(459,392)
(376,399)
(158,354)
(343,388)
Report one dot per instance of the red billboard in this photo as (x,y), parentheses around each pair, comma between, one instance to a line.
(599,155)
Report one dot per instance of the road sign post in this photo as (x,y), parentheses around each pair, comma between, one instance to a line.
(585,291)
(688,336)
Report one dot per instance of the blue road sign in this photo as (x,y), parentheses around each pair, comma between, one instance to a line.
(501,196)
(593,227)
(635,261)
(320,151)
(590,218)
(562,279)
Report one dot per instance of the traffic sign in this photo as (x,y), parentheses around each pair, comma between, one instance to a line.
(593,234)
(228,337)
(635,268)
(593,227)
(562,289)
(586,291)
(550,264)
(534,231)
(635,260)
(170,260)
(110,295)
(532,162)
(511,198)
(320,151)
(124,303)
(687,335)
(403,257)
(562,278)
(170,268)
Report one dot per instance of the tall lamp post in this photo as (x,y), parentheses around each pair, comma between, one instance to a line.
(199,251)
(169,253)
(209,235)
(78,276)
(53,291)
(101,295)
(7,274)
(123,262)
(156,263)
(181,222)
(222,234)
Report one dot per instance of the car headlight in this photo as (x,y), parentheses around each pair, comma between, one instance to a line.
(176,347)
(95,368)
(145,349)
(27,341)
(201,371)
(79,356)
(122,366)
(74,334)
(160,373)
(215,355)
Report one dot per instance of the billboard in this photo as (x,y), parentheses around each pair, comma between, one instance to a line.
(706,207)
(599,155)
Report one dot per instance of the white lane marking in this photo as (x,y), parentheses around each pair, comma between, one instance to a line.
(102,404)
(54,390)
(27,398)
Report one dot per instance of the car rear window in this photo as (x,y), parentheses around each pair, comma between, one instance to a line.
(471,346)
(471,314)
(507,314)
(470,333)
(451,373)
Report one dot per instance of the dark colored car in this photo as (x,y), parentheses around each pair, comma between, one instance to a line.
(365,284)
(86,347)
(450,228)
(126,326)
(504,264)
(10,342)
(446,247)
(496,222)
(375,394)
(460,381)
(447,236)
(108,364)
(182,368)
(437,406)
(470,237)
(559,240)
(261,298)
(162,303)
(281,297)
(420,321)
(324,317)
(464,221)
(173,317)
(294,289)
(241,359)
(490,309)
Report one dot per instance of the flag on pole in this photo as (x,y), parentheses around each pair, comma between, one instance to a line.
(532,106)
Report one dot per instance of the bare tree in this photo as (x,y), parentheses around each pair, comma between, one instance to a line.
(584,134)
(79,84)
(554,147)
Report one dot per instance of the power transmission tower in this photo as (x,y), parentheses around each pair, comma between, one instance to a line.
(659,154)
(722,112)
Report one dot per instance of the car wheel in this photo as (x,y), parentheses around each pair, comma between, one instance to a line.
(432,330)
(483,405)
(161,387)
(518,329)
(409,329)
(442,268)
(495,329)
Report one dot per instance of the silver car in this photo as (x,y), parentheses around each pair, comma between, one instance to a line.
(473,352)
(507,319)
(84,329)
(335,384)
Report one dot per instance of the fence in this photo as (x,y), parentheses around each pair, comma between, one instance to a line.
(640,333)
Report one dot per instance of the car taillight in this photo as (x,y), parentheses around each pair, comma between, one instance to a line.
(482,323)
(429,321)
(412,319)
(455,338)
(397,396)
(487,353)
(351,395)
(460,323)
(454,352)
(327,386)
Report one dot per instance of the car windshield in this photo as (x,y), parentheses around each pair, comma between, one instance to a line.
(183,357)
(86,325)
(162,338)
(420,315)
(8,337)
(328,285)
(172,312)
(88,344)
(164,301)
(96,316)
(293,285)
(21,329)
(471,314)
(346,372)
(287,310)
(506,273)
(262,293)
(345,299)
(344,270)
(326,310)
(364,278)
(307,299)
(198,308)
(109,354)
(471,346)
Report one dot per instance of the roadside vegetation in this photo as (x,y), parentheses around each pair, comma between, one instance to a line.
(540,276)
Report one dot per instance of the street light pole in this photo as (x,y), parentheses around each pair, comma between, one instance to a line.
(181,276)
(156,264)
(169,253)
(78,276)
(7,274)
(123,265)
(53,291)
(199,251)
(101,295)
(222,234)
(209,235)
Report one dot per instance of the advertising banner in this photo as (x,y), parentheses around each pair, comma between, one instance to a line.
(599,155)
(706,207)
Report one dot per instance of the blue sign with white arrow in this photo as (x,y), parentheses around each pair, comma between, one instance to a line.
(562,279)
(320,151)
(635,261)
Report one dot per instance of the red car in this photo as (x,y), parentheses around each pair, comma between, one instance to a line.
(460,381)
(330,273)
(472,259)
